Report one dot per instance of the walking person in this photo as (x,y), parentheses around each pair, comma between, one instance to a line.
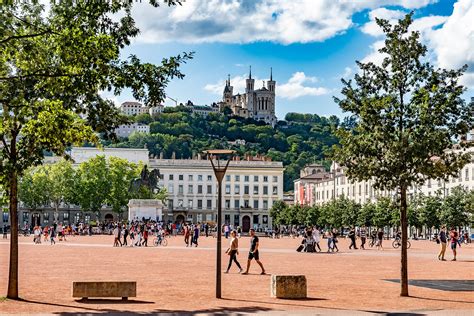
(334,240)
(330,242)
(125,235)
(453,234)
(116,236)
(132,235)
(233,251)
(186,234)
(316,238)
(52,234)
(363,237)
(206,229)
(352,237)
(196,235)
(442,240)
(253,253)
(380,239)
(145,236)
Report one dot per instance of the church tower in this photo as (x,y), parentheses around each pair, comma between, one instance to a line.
(228,91)
(271,83)
(249,82)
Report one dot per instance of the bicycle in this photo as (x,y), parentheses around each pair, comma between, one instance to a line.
(398,242)
(160,241)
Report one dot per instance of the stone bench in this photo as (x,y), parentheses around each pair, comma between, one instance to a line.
(288,286)
(104,289)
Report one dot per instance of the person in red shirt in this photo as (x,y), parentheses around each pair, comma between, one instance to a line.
(454,241)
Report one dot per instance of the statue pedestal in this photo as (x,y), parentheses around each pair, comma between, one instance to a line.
(149,209)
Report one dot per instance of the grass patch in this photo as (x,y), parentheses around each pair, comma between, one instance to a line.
(3,299)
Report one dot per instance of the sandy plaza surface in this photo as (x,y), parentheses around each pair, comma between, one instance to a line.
(178,279)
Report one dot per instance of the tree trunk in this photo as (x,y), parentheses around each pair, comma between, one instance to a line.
(404,255)
(13,207)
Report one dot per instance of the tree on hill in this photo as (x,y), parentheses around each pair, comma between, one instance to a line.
(407,115)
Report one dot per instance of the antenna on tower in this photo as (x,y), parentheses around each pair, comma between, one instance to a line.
(271,74)
(250,73)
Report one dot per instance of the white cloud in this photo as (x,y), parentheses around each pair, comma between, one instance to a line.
(347,73)
(294,88)
(372,28)
(453,43)
(244,21)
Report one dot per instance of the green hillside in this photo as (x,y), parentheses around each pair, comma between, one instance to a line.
(300,139)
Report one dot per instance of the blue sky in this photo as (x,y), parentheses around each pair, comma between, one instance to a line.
(310,44)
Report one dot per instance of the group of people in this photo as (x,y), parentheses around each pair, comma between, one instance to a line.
(191,234)
(51,232)
(233,251)
(454,241)
(138,232)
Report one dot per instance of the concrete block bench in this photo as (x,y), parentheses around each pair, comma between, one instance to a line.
(104,289)
(288,286)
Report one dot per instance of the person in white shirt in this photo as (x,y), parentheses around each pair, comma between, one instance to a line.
(316,237)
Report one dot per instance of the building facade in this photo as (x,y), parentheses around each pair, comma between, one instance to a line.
(125,130)
(258,104)
(336,184)
(249,188)
(132,108)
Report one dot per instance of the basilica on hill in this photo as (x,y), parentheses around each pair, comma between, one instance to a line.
(258,104)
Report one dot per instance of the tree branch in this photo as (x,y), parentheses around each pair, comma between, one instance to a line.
(15,37)
(42,75)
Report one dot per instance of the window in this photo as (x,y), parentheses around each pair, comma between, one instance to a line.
(227,189)
(255,178)
(237,204)
(360,189)
(255,219)
(208,217)
(170,188)
(236,220)
(275,190)
(237,178)
(65,216)
(246,203)
(265,204)
(265,219)
(227,218)
(265,179)
(200,189)
(190,177)
(190,189)
(5,217)
(467,174)
(255,204)
(255,189)
(227,204)
(26,215)
(246,189)
(275,178)
(200,177)
(87,218)
(77,217)
(209,189)
(246,178)
(200,204)
(227,178)
(190,203)
(181,177)
(265,190)
(199,218)
(209,204)
(209,178)
(180,203)
(429,183)
(170,177)
(237,189)
(180,189)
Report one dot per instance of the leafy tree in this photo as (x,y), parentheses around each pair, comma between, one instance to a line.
(61,183)
(53,64)
(407,115)
(366,214)
(120,173)
(34,188)
(350,213)
(454,211)
(92,186)
(313,215)
(429,211)
(384,208)
(277,212)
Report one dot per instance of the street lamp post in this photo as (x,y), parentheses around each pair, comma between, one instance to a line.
(220,159)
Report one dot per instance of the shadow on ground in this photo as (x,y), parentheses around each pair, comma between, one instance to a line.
(209,311)
(442,285)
